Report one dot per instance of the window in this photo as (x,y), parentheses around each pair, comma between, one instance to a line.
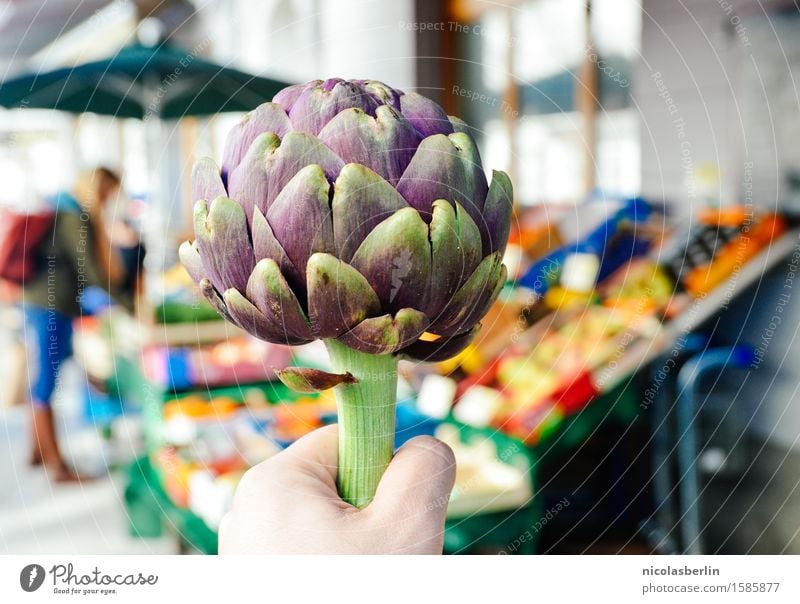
(535,123)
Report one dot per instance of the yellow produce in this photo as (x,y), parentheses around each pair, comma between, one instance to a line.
(469,359)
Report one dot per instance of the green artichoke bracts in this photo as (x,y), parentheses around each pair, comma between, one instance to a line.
(357,214)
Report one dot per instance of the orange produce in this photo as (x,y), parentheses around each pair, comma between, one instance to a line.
(196,406)
(701,280)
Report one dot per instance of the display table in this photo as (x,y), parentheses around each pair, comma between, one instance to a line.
(642,352)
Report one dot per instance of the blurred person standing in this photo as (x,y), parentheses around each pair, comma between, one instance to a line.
(76,254)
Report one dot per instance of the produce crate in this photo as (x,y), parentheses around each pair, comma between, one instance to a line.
(150,511)
(136,390)
(150,508)
(497,531)
(621,404)
(236,361)
(171,311)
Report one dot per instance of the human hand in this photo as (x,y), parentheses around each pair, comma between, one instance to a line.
(288,504)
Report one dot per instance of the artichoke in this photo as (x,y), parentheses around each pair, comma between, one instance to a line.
(351,212)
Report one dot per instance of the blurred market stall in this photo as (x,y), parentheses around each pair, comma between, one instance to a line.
(593,301)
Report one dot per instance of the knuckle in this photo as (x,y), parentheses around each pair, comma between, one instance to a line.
(254,479)
(436,450)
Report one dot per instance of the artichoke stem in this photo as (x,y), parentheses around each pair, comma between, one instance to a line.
(366,411)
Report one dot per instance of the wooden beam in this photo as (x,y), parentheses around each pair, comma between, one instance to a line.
(511,110)
(586,95)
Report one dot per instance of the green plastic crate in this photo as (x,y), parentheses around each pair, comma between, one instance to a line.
(621,404)
(497,532)
(150,511)
(181,312)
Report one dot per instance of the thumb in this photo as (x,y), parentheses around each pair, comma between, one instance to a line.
(415,490)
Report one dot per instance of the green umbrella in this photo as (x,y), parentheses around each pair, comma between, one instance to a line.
(141,81)
(159,82)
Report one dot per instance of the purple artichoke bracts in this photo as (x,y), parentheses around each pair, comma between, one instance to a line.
(349,210)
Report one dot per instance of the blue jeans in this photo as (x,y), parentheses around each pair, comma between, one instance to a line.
(48,336)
